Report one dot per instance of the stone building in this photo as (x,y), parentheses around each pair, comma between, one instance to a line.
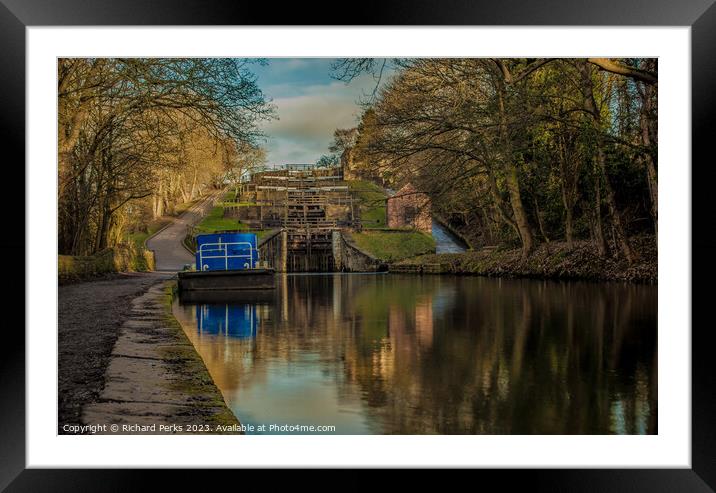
(409,208)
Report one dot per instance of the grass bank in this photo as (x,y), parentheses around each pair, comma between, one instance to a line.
(182,208)
(215,221)
(549,261)
(371,201)
(392,245)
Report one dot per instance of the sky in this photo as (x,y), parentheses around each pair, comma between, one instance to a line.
(310,105)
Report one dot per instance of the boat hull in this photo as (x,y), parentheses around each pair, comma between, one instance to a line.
(227,280)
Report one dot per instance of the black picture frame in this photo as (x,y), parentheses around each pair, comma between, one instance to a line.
(16,15)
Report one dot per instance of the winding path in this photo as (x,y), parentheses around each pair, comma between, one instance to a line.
(169,252)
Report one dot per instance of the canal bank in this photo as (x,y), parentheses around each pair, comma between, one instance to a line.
(154,381)
(549,261)
(123,359)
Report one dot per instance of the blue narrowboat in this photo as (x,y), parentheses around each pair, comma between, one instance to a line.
(227,261)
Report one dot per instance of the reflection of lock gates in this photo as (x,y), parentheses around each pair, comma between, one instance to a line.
(226,251)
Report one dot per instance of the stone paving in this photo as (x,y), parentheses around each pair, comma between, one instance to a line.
(155,377)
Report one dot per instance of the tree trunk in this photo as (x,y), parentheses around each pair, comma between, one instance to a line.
(158,199)
(500,206)
(590,107)
(539,221)
(511,178)
(653,191)
(613,211)
(102,228)
(184,196)
(569,228)
(489,233)
(568,176)
(648,136)
(193,186)
(597,223)
(518,209)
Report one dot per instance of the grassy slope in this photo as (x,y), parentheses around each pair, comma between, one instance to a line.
(372,203)
(215,221)
(394,245)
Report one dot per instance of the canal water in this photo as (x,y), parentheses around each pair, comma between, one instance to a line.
(445,241)
(405,354)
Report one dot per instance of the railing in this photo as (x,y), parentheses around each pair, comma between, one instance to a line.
(224,247)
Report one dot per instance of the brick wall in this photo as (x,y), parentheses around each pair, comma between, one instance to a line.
(409,208)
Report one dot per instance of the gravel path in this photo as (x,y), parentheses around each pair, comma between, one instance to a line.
(89,317)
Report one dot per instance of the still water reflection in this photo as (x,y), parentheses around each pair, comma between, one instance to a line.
(434,354)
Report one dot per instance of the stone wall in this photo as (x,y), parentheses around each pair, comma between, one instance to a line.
(273,249)
(349,258)
(120,258)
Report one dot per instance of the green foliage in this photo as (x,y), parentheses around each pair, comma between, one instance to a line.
(327,160)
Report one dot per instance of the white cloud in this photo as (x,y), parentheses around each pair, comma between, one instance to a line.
(307,121)
(310,105)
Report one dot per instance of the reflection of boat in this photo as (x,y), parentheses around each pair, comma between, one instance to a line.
(239,320)
(262,296)
(227,261)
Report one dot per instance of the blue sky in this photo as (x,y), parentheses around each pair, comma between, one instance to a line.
(310,105)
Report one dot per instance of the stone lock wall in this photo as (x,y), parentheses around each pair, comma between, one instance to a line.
(349,258)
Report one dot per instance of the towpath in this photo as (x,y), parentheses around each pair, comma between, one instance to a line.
(169,253)
(99,324)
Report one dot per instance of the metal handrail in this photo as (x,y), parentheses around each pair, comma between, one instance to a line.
(226,255)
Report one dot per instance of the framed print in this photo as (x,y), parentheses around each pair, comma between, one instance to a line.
(432,238)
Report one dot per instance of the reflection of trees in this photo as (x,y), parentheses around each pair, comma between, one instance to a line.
(516,357)
(465,355)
